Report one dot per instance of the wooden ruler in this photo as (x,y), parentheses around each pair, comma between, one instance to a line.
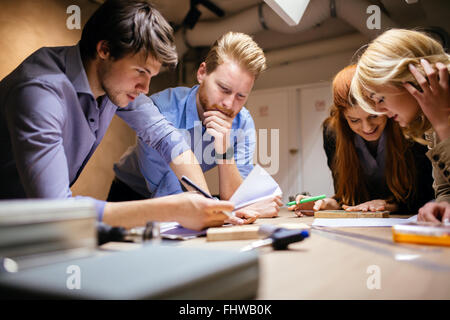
(350,214)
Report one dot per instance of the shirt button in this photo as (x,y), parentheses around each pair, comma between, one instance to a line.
(91,120)
(436,157)
(441,165)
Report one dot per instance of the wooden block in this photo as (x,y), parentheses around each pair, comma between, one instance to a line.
(350,214)
(245,232)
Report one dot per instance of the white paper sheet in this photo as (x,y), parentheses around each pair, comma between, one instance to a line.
(258,186)
(361,222)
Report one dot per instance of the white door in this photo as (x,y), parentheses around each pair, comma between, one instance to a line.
(315,102)
(270,111)
(289,137)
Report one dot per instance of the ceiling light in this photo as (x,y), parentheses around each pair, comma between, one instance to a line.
(291,11)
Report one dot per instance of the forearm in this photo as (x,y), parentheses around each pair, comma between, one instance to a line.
(129,214)
(440,160)
(229,179)
(186,164)
(442,131)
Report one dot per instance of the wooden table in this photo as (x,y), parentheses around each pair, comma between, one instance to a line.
(335,264)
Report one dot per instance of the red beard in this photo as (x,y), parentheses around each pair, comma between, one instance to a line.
(215,107)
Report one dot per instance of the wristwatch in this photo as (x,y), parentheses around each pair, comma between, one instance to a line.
(227,155)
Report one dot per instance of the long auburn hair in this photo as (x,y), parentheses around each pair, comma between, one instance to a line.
(349,183)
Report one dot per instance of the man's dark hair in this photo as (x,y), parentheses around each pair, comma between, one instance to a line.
(129,27)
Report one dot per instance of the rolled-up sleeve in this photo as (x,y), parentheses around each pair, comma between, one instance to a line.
(245,146)
(153,128)
(440,160)
(35,119)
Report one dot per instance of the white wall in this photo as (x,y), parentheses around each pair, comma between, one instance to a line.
(321,68)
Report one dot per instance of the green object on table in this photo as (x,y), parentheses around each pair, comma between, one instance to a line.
(322,196)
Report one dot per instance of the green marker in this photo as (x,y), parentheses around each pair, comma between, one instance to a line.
(307,200)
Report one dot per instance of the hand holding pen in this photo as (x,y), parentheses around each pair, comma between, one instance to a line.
(237,218)
(305,205)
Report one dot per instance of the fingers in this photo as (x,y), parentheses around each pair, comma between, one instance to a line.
(446,215)
(278,201)
(247,216)
(216,127)
(358,208)
(443,75)
(235,220)
(217,120)
(298,213)
(431,73)
(319,204)
(300,197)
(361,207)
(216,115)
(374,207)
(423,83)
(307,212)
(412,90)
(428,216)
(323,204)
(429,212)
(214,205)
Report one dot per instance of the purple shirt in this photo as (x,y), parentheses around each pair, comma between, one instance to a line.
(50,125)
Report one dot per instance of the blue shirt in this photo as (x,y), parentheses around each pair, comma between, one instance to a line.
(143,169)
(51,124)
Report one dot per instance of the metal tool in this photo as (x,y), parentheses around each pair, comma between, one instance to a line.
(8,265)
(279,238)
(107,233)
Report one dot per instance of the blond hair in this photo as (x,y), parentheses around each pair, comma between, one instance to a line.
(385,63)
(237,47)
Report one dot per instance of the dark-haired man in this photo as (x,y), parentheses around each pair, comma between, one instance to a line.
(56,106)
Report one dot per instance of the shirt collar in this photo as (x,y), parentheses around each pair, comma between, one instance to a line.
(192,117)
(75,70)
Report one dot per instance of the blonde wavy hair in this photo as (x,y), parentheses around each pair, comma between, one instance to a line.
(385,63)
(240,48)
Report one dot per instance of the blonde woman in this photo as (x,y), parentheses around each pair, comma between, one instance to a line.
(405,75)
(373,166)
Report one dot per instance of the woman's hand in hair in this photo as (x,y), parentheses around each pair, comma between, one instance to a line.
(309,208)
(373,205)
(435,212)
(434,100)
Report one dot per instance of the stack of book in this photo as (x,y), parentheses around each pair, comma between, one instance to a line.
(38,232)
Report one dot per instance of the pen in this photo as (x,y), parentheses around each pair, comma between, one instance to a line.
(193,185)
(206,194)
(322,196)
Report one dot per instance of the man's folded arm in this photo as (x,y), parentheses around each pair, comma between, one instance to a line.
(157,132)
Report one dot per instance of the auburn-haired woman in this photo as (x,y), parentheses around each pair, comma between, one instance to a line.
(373,166)
(405,75)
